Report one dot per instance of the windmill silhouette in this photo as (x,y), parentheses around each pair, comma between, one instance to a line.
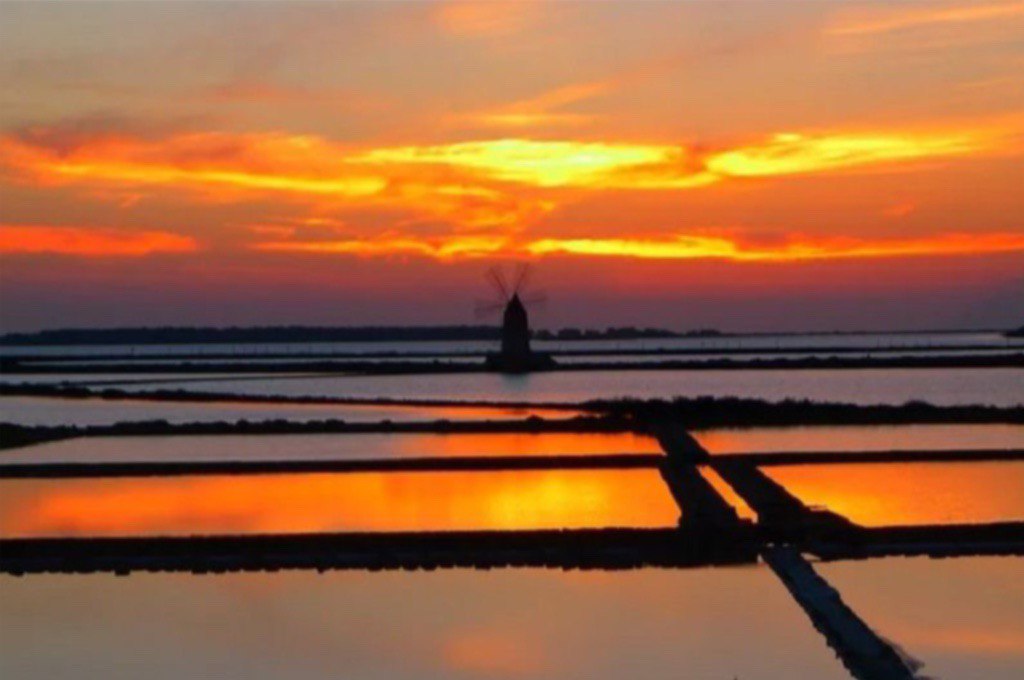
(512,296)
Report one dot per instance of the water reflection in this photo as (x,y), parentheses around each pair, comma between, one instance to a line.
(714,623)
(964,617)
(335,502)
(910,493)
(861,438)
(327,446)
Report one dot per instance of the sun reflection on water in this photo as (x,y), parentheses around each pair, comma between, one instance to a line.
(335,502)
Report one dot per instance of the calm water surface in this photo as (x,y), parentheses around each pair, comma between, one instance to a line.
(963,617)
(878,494)
(711,624)
(296,503)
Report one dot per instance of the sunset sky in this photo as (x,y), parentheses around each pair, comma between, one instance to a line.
(749,166)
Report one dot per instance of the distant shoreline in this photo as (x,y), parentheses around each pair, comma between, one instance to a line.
(188,335)
(1013,357)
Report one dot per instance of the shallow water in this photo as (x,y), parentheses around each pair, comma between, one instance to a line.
(879,494)
(534,624)
(326,447)
(297,503)
(963,617)
(861,438)
(56,411)
(952,386)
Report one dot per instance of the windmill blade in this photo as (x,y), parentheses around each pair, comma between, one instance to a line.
(523,271)
(485,308)
(497,280)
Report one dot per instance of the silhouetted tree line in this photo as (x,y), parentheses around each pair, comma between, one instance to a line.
(621,415)
(174,335)
(66,364)
(708,412)
(619,333)
(13,436)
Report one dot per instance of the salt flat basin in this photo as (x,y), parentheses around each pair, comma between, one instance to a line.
(963,617)
(82,412)
(531,624)
(940,386)
(861,438)
(326,447)
(296,503)
(879,494)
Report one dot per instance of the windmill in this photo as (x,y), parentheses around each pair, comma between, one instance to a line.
(513,298)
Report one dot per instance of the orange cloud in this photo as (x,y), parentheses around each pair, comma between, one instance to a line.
(679,247)
(618,165)
(541,110)
(474,19)
(232,167)
(207,160)
(505,182)
(702,247)
(90,242)
(532,162)
(926,14)
(441,249)
(791,153)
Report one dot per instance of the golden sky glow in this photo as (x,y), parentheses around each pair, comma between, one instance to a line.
(410,136)
(315,166)
(792,153)
(502,183)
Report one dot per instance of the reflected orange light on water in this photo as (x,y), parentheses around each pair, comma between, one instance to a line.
(495,653)
(911,493)
(340,502)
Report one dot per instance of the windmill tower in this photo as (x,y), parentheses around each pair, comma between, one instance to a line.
(515,355)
